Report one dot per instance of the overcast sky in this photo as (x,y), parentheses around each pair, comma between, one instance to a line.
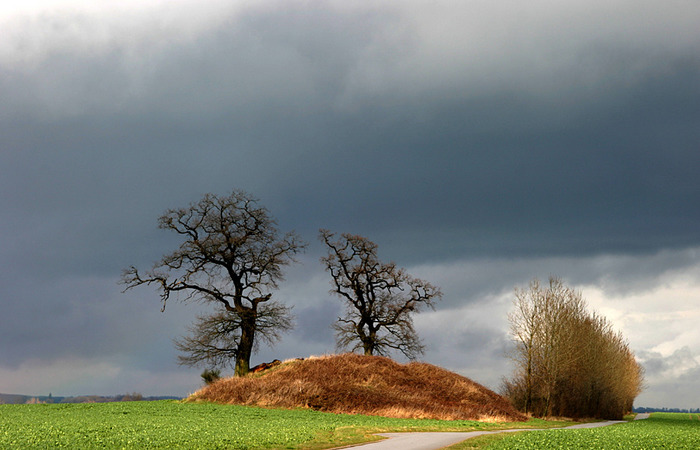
(480,144)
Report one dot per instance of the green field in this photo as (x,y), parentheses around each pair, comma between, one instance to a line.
(661,430)
(170,424)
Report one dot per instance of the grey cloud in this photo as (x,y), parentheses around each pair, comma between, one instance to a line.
(681,361)
(85,317)
(468,339)
(253,62)
(314,323)
(295,57)
(670,378)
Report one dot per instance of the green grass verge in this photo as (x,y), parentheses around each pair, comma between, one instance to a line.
(661,430)
(170,424)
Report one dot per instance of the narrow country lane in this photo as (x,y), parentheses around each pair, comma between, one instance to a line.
(437,440)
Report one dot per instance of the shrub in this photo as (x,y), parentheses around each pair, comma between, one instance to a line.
(210,375)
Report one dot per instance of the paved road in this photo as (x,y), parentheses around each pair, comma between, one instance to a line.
(437,440)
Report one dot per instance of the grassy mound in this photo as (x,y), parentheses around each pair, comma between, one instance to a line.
(372,385)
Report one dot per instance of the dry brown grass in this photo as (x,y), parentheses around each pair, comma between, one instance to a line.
(373,385)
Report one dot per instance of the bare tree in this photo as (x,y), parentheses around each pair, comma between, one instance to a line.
(380,298)
(561,309)
(525,327)
(231,256)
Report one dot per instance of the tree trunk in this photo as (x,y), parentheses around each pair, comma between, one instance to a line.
(245,346)
(528,379)
(369,341)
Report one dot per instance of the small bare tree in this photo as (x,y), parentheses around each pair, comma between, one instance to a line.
(380,298)
(232,257)
(525,325)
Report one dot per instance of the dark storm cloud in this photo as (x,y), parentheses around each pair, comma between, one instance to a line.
(311,321)
(257,102)
(88,316)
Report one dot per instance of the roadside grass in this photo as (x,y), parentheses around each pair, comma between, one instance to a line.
(661,430)
(171,424)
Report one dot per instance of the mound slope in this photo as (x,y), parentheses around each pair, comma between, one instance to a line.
(372,385)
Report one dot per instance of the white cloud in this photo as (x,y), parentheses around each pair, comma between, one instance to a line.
(105,8)
(661,318)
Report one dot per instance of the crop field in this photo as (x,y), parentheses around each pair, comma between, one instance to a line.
(170,424)
(661,430)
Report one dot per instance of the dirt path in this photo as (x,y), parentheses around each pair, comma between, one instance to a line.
(437,440)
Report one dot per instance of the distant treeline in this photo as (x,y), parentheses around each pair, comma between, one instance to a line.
(14,399)
(644,409)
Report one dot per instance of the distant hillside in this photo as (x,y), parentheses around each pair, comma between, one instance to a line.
(372,385)
(13,399)
(16,399)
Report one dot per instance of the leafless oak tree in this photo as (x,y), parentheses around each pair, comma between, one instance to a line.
(380,298)
(231,256)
